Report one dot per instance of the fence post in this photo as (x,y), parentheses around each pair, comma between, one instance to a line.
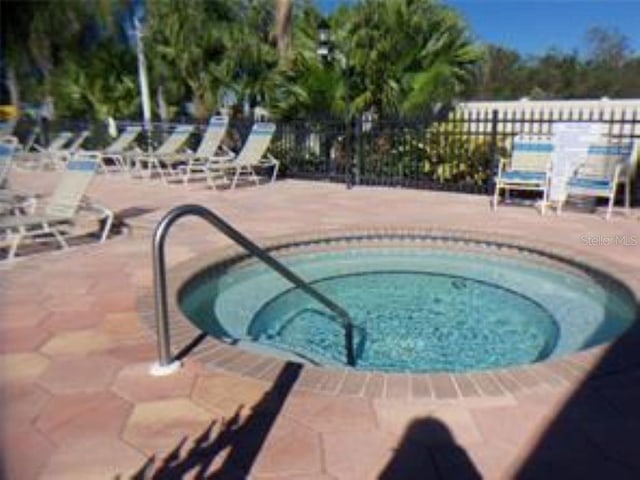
(635,193)
(493,149)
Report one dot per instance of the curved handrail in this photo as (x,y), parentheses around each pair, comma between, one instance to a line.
(160,277)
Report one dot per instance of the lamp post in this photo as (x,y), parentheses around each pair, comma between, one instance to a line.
(325,50)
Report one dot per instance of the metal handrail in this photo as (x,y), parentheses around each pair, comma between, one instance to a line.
(160,277)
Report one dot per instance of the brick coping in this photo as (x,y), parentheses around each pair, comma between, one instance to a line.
(557,373)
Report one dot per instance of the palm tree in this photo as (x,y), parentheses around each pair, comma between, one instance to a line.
(283,27)
(410,55)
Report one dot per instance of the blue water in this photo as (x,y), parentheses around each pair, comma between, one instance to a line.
(420,310)
(412,321)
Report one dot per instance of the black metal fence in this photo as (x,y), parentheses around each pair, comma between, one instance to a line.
(458,154)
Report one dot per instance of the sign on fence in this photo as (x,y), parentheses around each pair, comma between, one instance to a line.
(571,142)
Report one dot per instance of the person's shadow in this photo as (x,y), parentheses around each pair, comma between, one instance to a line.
(429,451)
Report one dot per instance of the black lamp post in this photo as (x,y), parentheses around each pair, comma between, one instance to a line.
(324,41)
(324,51)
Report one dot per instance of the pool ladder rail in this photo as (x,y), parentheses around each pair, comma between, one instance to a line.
(166,364)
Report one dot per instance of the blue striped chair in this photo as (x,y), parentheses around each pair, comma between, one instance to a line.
(529,168)
(607,164)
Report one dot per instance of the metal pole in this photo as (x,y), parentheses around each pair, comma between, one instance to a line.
(143,82)
(165,364)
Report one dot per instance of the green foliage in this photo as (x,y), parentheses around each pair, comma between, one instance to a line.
(98,85)
(388,57)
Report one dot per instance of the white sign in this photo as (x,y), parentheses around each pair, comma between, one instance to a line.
(571,142)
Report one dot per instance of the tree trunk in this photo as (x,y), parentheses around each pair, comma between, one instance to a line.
(12,86)
(283,27)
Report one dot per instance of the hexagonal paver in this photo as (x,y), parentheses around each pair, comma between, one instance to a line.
(24,451)
(136,384)
(77,342)
(21,313)
(61,302)
(80,374)
(358,454)
(93,459)
(112,300)
(158,427)
(290,449)
(72,320)
(81,416)
(137,352)
(22,339)
(123,325)
(22,367)
(326,413)
(22,402)
(225,393)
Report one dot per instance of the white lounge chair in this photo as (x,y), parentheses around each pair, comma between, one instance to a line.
(57,153)
(529,168)
(118,151)
(8,146)
(167,154)
(210,150)
(253,155)
(61,209)
(607,164)
(11,201)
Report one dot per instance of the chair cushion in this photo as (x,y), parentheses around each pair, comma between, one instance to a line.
(589,183)
(523,176)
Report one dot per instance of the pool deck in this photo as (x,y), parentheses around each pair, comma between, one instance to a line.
(77,401)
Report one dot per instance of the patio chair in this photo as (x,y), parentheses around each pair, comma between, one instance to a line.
(56,154)
(8,146)
(11,201)
(210,151)
(167,154)
(606,165)
(61,209)
(117,152)
(529,168)
(251,156)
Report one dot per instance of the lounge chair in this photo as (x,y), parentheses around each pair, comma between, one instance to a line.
(167,154)
(251,156)
(117,152)
(606,165)
(8,146)
(57,153)
(529,168)
(11,201)
(61,209)
(210,150)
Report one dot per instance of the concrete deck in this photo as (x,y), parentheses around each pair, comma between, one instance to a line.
(77,400)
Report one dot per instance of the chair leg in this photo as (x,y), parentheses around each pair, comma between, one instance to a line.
(235,178)
(276,166)
(107,226)
(14,245)
(254,177)
(610,207)
(627,197)
(63,243)
(496,195)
